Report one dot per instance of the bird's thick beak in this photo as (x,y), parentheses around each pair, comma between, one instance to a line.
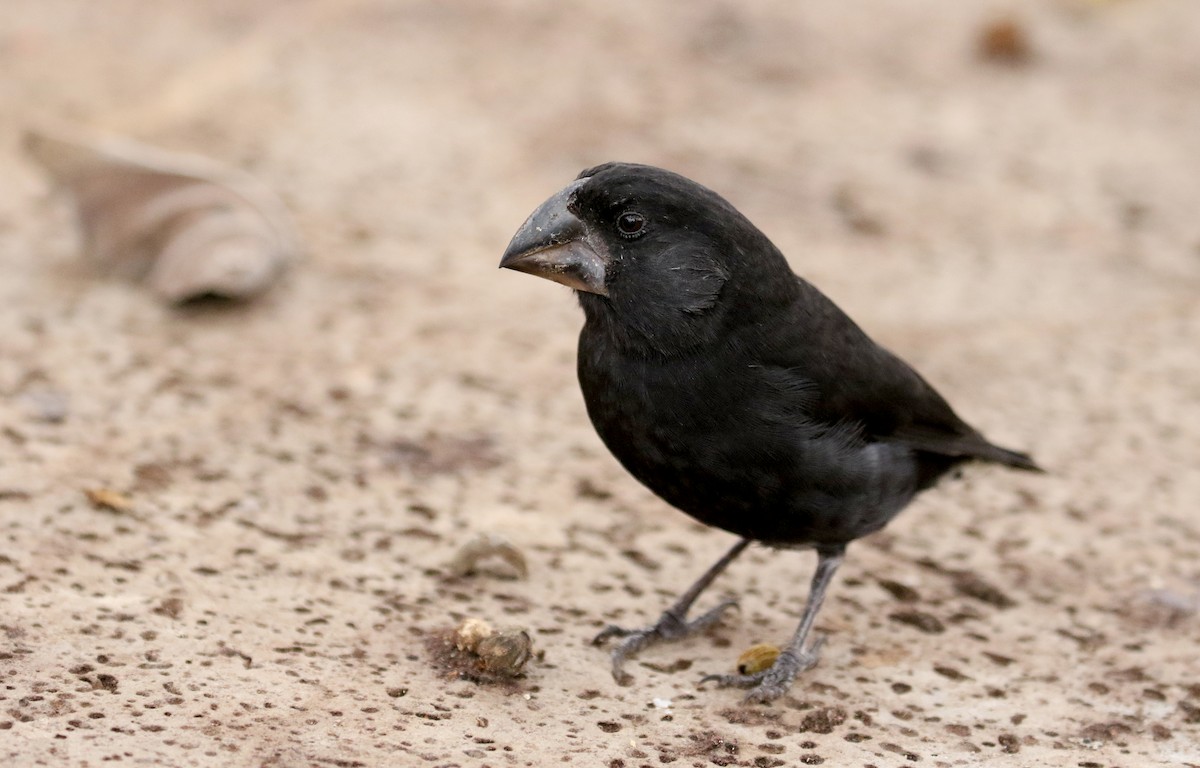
(555,244)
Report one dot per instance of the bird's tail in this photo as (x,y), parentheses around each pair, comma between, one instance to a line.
(1009,458)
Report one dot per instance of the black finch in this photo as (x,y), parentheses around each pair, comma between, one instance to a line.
(734,389)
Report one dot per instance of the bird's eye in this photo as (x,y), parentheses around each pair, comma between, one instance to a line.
(630,224)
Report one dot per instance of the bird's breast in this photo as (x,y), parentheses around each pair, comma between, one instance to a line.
(683,430)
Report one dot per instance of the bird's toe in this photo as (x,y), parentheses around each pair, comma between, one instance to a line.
(611,631)
(766,692)
(735,681)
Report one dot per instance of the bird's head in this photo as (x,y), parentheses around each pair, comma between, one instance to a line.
(646,248)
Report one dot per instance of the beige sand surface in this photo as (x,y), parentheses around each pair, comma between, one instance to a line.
(302,468)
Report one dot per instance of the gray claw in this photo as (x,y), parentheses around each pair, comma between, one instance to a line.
(734,681)
(711,617)
(773,682)
(669,627)
(612,630)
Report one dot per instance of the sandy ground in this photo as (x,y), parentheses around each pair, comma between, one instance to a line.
(303,467)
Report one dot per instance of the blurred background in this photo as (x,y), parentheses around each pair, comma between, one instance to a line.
(1004,193)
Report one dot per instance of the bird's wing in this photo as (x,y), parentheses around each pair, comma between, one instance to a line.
(848,379)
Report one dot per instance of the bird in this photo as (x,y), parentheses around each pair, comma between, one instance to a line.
(734,389)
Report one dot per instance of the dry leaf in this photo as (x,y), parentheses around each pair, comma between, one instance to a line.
(186,225)
(486,546)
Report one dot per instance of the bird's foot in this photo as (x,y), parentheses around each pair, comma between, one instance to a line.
(773,682)
(671,626)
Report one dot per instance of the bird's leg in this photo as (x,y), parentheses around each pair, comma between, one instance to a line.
(775,681)
(673,624)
